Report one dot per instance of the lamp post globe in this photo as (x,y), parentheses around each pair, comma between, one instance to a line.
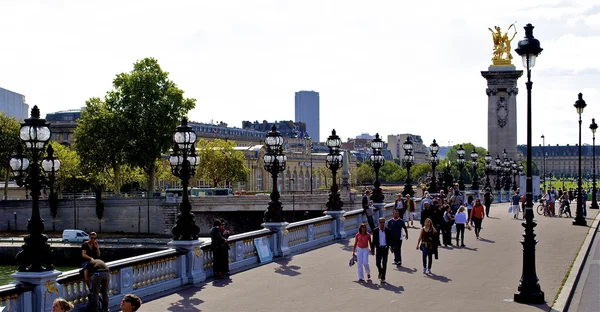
(529,290)
(593,127)
(475,184)
(275,163)
(377,160)
(408,160)
(333,161)
(488,167)
(461,165)
(434,148)
(183,162)
(35,173)
(579,218)
(514,170)
(498,162)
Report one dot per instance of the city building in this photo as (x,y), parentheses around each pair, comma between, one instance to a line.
(562,160)
(13,104)
(62,126)
(420,151)
(307,111)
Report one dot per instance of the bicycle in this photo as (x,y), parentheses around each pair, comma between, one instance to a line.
(543,208)
(565,209)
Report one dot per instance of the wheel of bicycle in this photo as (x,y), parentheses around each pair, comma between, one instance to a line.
(540,209)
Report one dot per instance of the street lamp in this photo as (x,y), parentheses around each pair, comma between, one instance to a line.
(184,161)
(35,255)
(593,127)
(498,162)
(474,164)
(488,168)
(514,169)
(507,178)
(334,162)
(521,168)
(544,160)
(274,162)
(434,148)
(461,165)
(408,160)
(529,290)
(378,160)
(579,219)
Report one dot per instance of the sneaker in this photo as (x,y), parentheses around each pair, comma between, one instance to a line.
(424,270)
(429,271)
(379,276)
(368,276)
(394,263)
(463,245)
(382,281)
(399,264)
(360,280)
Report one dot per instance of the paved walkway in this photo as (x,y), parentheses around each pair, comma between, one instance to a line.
(586,297)
(479,277)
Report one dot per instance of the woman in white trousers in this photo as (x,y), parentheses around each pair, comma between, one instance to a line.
(362,248)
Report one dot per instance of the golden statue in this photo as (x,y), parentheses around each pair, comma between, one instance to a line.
(502,47)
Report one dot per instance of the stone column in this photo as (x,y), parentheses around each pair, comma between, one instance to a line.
(280,247)
(45,288)
(192,271)
(337,223)
(502,109)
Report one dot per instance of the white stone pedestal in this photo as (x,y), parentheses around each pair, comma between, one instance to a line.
(45,289)
(338,224)
(280,248)
(192,268)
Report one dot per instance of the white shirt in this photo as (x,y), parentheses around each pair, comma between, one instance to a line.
(382,241)
(400,204)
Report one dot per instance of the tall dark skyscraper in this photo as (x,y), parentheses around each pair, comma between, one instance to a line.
(307,111)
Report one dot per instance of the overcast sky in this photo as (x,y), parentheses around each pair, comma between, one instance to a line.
(380,66)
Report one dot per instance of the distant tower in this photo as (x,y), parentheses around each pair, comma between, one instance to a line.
(307,111)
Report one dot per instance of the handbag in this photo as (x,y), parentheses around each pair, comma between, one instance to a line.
(352,260)
(510,209)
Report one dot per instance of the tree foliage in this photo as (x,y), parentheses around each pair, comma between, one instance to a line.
(365,174)
(151,106)
(219,162)
(9,139)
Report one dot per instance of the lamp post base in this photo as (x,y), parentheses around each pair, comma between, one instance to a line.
(579,220)
(534,296)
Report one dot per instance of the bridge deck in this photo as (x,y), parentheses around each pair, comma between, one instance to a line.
(480,277)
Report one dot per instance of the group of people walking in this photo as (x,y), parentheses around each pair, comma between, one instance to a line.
(438,216)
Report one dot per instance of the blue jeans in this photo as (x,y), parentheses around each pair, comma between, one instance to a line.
(426,255)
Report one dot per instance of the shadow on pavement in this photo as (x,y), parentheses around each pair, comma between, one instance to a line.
(406,270)
(285,269)
(543,307)
(493,218)
(466,248)
(222,282)
(440,278)
(187,303)
(481,239)
(386,286)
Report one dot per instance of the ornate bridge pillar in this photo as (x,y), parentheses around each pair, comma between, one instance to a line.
(502,109)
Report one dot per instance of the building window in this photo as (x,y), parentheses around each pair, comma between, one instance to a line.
(259,185)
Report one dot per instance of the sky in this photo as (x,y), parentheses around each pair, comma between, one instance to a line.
(386,67)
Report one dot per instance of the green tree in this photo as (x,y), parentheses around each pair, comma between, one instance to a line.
(151,106)
(219,162)
(365,174)
(417,171)
(101,143)
(69,167)
(390,172)
(9,139)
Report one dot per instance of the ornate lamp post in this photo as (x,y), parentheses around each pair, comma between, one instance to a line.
(434,148)
(498,162)
(544,160)
(333,162)
(514,169)
(474,164)
(378,160)
(461,165)
(507,178)
(529,290)
(521,168)
(593,127)
(274,161)
(408,161)
(36,255)
(579,219)
(183,163)
(488,168)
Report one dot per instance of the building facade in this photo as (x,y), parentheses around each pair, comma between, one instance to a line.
(420,151)
(13,104)
(62,126)
(562,160)
(307,111)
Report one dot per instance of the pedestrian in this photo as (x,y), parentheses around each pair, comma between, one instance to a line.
(583,201)
(488,198)
(470,203)
(218,244)
(455,201)
(437,217)
(461,221)
(90,250)
(96,276)
(409,205)
(426,199)
(426,213)
(399,232)
(399,205)
(426,243)
(61,305)
(366,206)
(362,245)
(477,215)
(447,226)
(381,247)
(225,250)
(130,303)
(515,201)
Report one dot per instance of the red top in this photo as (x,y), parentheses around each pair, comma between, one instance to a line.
(478,212)
(363,240)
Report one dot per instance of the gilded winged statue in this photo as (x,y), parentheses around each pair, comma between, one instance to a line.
(501,54)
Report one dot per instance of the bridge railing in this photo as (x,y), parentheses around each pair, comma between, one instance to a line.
(15,298)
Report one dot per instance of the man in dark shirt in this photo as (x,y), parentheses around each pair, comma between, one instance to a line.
(90,249)
(96,276)
(397,225)
(381,245)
